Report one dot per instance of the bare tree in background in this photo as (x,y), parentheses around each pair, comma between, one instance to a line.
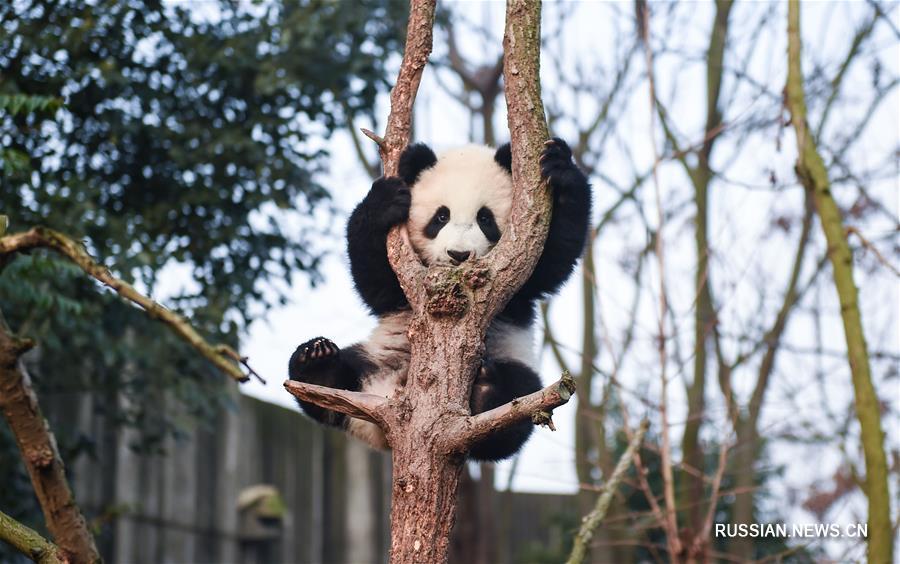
(739,293)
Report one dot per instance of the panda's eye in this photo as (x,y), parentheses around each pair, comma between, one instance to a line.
(442,215)
(488,224)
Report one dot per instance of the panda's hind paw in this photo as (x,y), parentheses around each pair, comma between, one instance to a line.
(313,352)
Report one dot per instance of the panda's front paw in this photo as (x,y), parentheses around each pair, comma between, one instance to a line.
(390,199)
(557,166)
(312,354)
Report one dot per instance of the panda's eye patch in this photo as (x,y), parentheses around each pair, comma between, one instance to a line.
(437,222)
(488,224)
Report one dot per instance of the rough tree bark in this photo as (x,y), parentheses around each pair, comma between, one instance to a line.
(814,176)
(428,426)
(40,455)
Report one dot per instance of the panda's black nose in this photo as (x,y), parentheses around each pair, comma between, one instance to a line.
(459,256)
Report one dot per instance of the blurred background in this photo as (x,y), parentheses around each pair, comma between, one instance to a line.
(209,152)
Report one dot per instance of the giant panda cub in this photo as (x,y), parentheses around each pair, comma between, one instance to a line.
(456,207)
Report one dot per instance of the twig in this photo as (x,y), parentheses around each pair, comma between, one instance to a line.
(590,521)
(868,245)
(538,406)
(28,541)
(40,455)
(223,356)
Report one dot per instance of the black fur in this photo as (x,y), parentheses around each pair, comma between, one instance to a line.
(386,205)
(499,382)
(414,160)
(320,362)
(568,222)
(503,157)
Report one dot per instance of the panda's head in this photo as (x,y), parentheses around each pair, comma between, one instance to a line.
(460,201)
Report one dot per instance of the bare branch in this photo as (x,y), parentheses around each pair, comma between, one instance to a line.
(590,521)
(28,541)
(419,34)
(538,406)
(40,454)
(355,404)
(223,356)
(372,169)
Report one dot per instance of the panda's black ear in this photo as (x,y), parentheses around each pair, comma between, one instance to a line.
(503,157)
(414,159)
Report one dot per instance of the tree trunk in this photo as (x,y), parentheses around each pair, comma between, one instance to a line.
(426,476)
(744,461)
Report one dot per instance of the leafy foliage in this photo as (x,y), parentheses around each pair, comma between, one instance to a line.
(183,133)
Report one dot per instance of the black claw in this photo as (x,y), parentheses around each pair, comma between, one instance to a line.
(314,351)
(556,161)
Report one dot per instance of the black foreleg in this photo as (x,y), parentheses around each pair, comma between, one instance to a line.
(499,382)
(568,222)
(320,362)
(386,205)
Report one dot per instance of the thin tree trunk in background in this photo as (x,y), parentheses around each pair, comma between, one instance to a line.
(590,432)
(693,483)
(583,422)
(814,176)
